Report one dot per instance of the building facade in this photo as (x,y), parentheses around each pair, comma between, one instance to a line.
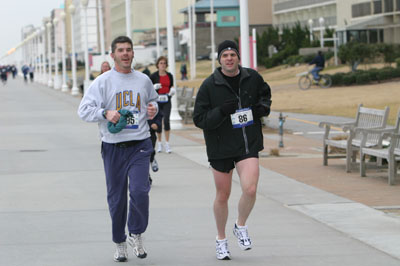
(369,21)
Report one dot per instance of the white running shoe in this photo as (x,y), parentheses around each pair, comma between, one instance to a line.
(136,242)
(121,254)
(221,248)
(243,236)
(154,165)
(167,148)
(159,147)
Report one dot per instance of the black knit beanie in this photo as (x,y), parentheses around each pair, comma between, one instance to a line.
(227,45)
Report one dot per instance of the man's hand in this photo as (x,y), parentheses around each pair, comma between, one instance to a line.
(113,116)
(151,110)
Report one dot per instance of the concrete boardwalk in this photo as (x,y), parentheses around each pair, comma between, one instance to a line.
(53,207)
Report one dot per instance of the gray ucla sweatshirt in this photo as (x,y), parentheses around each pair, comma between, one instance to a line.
(113,90)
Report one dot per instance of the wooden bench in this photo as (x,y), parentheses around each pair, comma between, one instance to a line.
(390,153)
(186,101)
(366,118)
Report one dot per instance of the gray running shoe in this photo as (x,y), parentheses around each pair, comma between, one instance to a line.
(242,236)
(121,254)
(221,248)
(136,242)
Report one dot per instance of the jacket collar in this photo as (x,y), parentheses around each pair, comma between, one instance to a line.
(219,79)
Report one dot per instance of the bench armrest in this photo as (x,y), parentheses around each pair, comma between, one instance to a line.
(332,124)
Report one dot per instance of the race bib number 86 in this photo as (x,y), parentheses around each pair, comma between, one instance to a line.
(132,122)
(242,118)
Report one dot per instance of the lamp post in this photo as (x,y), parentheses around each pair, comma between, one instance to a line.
(321,31)
(64,86)
(57,85)
(244,33)
(50,80)
(38,59)
(74,90)
(171,58)
(128,17)
(310,24)
(86,83)
(101,29)
(212,35)
(44,77)
(157,28)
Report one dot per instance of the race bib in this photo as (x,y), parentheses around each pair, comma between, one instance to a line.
(242,118)
(162,98)
(132,122)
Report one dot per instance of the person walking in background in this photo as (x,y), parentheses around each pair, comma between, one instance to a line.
(319,62)
(228,108)
(105,66)
(121,100)
(31,72)
(163,83)
(25,72)
(183,72)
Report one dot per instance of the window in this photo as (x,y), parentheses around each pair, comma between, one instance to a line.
(388,5)
(377,6)
(397,5)
(228,19)
(373,36)
(360,10)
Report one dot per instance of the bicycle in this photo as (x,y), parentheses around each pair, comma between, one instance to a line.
(306,80)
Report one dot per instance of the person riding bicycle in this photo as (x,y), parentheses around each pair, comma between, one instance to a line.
(319,62)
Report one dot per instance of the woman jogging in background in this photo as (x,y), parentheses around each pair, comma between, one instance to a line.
(163,83)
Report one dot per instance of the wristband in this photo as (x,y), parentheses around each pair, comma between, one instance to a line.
(104,113)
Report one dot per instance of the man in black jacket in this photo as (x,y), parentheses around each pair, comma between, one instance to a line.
(319,62)
(229,105)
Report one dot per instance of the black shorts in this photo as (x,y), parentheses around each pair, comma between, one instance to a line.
(226,165)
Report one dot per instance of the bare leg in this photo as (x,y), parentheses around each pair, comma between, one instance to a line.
(249,172)
(223,184)
(166,133)
(159,137)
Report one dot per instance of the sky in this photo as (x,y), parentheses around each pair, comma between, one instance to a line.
(15,14)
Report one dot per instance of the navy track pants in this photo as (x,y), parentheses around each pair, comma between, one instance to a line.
(127,170)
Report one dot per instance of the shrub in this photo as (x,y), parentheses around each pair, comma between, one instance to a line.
(337,79)
(362,77)
(349,79)
(398,62)
(374,74)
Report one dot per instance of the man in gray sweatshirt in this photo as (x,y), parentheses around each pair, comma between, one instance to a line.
(124,95)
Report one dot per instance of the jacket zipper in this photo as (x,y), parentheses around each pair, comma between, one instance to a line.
(246,142)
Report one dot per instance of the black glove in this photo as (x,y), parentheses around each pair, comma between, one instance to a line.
(260,110)
(229,106)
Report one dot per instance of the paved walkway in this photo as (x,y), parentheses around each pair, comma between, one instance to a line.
(53,207)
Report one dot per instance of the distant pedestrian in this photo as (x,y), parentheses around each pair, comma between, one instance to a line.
(25,72)
(31,72)
(3,74)
(183,72)
(105,66)
(164,84)
(14,71)
(121,100)
(229,106)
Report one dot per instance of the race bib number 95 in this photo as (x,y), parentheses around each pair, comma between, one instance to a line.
(132,122)
(242,118)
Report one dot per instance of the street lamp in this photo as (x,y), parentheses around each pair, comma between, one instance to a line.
(101,29)
(321,31)
(64,87)
(310,23)
(74,90)
(50,82)
(86,83)
(44,77)
(56,77)
(39,73)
